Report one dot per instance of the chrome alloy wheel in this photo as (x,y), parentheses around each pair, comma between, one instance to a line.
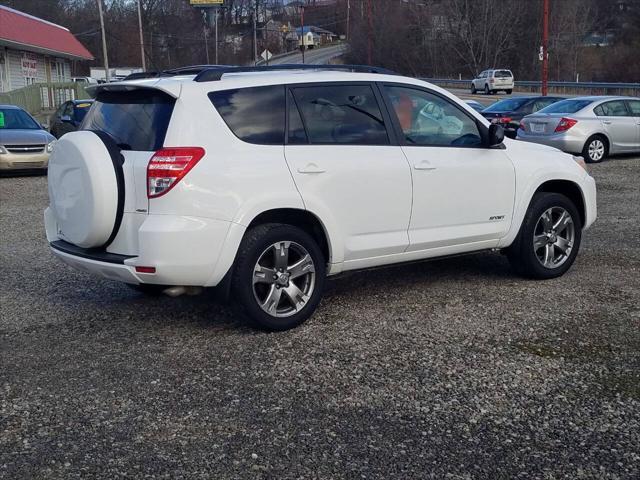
(283,279)
(596,150)
(554,237)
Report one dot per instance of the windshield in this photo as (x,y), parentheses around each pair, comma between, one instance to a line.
(15,119)
(566,106)
(507,105)
(502,74)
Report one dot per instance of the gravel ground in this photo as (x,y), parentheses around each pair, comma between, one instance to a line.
(448,369)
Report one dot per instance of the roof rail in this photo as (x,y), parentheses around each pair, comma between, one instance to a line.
(216,73)
(188,70)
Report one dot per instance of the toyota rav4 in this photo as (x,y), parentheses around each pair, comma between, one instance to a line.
(264,181)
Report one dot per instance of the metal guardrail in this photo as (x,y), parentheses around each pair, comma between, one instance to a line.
(40,97)
(585,88)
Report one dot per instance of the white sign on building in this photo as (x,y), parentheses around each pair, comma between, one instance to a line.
(29,65)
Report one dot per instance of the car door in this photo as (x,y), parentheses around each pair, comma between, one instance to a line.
(463,192)
(341,154)
(620,126)
(634,108)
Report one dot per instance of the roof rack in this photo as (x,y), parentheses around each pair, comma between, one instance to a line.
(188,70)
(216,73)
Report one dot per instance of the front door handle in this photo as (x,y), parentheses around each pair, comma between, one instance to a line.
(310,168)
(606,122)
(424,165)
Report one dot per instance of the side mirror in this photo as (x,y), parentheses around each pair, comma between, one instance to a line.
(496,134)
(65,119)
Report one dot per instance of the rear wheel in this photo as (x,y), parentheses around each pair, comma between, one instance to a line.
(509,92)
(549,238)
(596,149)
(486,90)
(278,276)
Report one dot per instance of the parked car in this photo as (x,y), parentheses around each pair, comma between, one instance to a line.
(85,80)
(68,117)
(509,112)
(477,106)
(492,81)
(265,184)
(24,143)
(594,127)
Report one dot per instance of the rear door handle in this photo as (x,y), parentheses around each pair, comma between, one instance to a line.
(424,165)
(310,168)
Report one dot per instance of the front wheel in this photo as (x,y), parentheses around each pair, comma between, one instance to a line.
(278,276)
(549,237)
(473,89)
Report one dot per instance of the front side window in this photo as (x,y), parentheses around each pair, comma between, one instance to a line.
(341,114)
(427,119)
(611,109)
(254,115)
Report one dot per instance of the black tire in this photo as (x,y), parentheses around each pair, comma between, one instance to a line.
(254,246)
(486,89)
(473,89)
(148,289)
(589,156)
(508,92)
(522,255)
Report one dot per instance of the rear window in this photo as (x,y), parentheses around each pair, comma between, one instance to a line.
(502,74)
(566,106)
(254,115)
(508,105)
(137,120)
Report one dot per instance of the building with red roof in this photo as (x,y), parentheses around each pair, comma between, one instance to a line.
(33,50)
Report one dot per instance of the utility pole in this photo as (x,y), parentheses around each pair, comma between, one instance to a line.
(216,28)
(144,63)
(348,18)
(370,33)
(545,48)
(255,34)
(302,30)
(206,35)
(107,76)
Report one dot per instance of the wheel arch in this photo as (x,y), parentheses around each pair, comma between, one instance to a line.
(569,189)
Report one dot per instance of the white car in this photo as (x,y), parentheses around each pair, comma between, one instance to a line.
(493,81)
(264,181)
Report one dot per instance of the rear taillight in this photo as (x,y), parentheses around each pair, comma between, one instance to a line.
(523,127)
(565,124)
(168,166)
(505,120)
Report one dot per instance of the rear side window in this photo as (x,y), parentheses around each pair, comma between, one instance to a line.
(611,109)
(254,115)
(634,105)
(137,120)
(341,114)
(566,106)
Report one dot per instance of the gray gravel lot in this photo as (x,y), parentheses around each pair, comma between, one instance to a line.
(449,369)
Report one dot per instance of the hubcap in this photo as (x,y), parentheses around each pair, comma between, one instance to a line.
(283,279)
(596,150)
(553,237)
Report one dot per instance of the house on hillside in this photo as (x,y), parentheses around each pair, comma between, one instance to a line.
(33,50)
(312,37)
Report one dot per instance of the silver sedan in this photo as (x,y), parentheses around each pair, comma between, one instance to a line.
(594,127)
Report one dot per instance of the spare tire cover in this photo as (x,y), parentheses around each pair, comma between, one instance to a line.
(83,189)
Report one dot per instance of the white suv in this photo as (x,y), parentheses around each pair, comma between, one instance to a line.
(492,81)
(264,181)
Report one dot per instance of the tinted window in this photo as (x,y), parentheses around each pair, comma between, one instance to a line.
(611,109)
(16,119)
(427,119)
(502,74)
(137,120)
(508,105)
(344,114)
(634,105)
(255,115)
(566,106)
(543,103)
(297,134)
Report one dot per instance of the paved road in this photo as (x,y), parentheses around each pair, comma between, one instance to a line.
(320,56)
(448,369)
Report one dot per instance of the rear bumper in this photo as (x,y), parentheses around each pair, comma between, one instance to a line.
(561,141)
(23,161)
(183,250)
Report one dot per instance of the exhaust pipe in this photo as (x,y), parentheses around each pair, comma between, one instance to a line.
(179,290)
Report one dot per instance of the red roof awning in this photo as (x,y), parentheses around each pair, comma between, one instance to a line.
(19,30)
